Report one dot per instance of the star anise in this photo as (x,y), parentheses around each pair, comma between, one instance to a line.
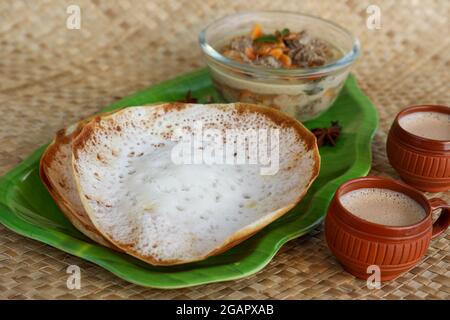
(189,98)
(327,135)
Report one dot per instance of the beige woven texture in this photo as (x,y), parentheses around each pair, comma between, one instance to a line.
(51,76)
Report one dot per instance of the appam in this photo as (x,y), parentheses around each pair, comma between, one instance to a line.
(56,174)
(145,201)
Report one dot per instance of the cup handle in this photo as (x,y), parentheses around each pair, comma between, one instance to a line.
(443,222)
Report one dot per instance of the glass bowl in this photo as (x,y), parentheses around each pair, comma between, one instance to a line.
(303,93)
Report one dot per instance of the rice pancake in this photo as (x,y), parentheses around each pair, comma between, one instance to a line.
(56,174)
(164,211)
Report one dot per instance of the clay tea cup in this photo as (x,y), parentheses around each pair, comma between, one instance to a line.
(421,161)
(359,243)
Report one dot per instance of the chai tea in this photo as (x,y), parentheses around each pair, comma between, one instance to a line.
(429,124)
(383,206)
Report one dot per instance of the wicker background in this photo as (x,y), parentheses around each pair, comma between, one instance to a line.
(51,76)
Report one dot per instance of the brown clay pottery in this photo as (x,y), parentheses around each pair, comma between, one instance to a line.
(421,162)
(358,243)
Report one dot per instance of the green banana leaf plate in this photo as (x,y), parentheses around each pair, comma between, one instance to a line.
(27,208)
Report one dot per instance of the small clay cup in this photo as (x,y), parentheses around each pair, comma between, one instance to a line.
(358,243)
(421,162)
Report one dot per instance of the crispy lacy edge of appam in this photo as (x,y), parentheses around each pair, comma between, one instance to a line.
(79,218)
(279,118)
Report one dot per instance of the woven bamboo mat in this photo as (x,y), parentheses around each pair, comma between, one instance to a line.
(51,76)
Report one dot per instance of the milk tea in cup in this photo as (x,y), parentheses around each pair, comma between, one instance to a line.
(383,206)
(427,124)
